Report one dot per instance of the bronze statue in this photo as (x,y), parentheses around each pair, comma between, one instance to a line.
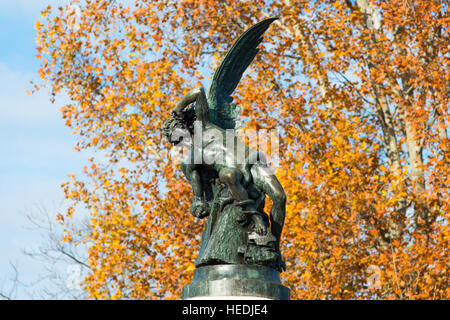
(228,187)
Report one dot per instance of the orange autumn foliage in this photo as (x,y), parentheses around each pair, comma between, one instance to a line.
(358,91)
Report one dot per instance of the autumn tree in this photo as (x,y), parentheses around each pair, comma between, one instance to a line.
(359,91)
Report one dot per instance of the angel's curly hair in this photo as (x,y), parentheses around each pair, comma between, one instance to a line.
(170,126)
(186,121)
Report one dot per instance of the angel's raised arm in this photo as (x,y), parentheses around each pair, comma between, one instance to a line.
(198,96)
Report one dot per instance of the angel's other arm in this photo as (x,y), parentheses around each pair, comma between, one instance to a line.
(199,207)
(194,179)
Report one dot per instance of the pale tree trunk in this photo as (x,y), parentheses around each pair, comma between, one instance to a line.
(372,21)
(297,32)
(386,234)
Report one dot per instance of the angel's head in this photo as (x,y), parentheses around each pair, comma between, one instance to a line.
(172,129)
(180,126)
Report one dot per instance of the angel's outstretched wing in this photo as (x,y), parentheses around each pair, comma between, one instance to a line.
(223,112)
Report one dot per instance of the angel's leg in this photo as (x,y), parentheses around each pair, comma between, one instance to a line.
(232,179)
(264,179)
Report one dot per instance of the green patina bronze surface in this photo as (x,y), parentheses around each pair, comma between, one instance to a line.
(230,190)
(228,239)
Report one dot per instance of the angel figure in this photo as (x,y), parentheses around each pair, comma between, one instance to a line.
(215,114)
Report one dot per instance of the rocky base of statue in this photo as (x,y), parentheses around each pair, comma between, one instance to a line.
(226,282)
(231,235)
(235,261)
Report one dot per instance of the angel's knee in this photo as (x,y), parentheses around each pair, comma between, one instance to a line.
(228,176)
(279,196)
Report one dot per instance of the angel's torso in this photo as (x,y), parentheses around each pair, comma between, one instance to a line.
(216,148)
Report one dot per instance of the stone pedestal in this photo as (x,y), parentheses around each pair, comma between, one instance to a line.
(235,281)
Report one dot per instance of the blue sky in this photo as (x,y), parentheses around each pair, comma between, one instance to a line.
(35,146)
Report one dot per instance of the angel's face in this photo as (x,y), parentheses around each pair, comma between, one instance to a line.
(181,137)
(169,128)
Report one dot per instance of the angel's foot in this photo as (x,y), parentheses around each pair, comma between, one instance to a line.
(281,265)
(260,227)
(199,209)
